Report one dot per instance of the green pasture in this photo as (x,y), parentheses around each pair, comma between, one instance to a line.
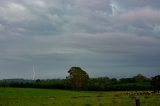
(51,97)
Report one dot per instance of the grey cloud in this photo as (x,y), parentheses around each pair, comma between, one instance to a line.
(142,14)
(56,34)
(131,4)
(116,41)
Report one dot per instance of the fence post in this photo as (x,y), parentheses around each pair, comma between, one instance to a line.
(137,102)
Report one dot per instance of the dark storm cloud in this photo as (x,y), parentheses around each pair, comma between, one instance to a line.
(98,35)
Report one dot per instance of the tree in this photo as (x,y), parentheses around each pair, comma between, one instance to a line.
(78,78)
(156,83)
(140,78)
(99,84)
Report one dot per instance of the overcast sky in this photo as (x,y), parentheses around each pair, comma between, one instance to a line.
(115,38)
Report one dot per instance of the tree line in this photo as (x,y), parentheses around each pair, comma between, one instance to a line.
(78,79)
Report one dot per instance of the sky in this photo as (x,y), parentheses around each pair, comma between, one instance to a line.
(114,38)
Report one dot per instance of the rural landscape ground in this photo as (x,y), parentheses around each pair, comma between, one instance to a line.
(52,97)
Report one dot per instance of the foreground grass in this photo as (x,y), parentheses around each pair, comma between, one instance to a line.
(45,97)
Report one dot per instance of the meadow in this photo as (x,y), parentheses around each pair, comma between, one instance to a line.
(53,97)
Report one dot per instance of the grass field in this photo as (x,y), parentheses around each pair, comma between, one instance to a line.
(45,97)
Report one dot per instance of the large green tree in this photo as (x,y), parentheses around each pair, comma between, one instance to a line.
(78,78)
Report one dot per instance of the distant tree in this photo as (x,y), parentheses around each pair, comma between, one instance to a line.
(113,81)
(78,78)
(99,84)
(126,80)
(140,78)
(156,83)
(38,80)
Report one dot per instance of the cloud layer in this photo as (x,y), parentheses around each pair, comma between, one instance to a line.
(105,37)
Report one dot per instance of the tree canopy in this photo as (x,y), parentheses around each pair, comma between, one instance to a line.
(78,78)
